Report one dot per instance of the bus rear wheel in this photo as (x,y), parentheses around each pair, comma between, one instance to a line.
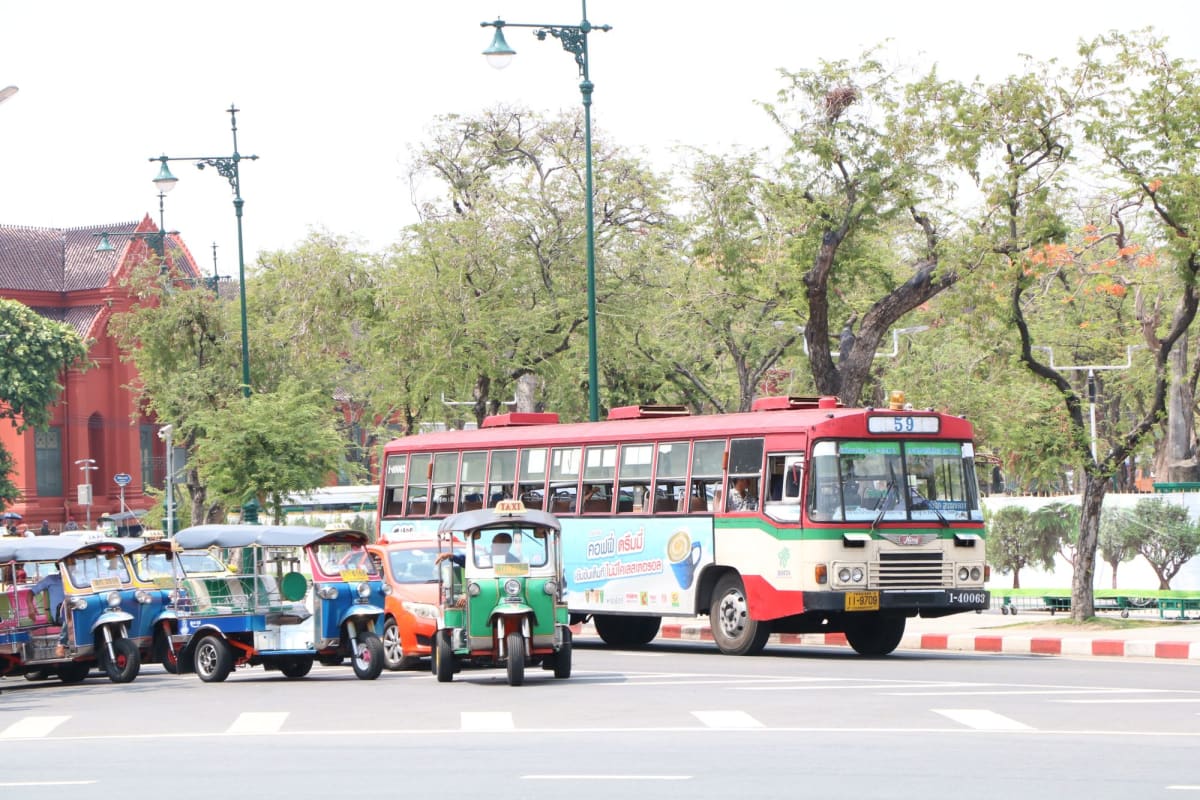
(876,634)
(733,630)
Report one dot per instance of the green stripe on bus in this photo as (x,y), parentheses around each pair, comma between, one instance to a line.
(827,534)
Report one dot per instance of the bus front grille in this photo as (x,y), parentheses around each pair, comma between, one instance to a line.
(917,570)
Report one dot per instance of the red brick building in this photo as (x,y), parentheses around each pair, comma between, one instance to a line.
(59,274)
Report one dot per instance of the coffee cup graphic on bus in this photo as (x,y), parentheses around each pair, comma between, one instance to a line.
(684,555)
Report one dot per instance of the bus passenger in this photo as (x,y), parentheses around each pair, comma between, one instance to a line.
(743,495)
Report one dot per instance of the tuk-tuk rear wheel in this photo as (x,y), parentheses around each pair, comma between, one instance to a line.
(296,667)
(213,660)
(562,659)
(165,654)
(443,658)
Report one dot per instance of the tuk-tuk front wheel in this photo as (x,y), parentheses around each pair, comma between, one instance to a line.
(213,660)
(368,657)
(123,664)
(515,647)
(562,659)
(443,658)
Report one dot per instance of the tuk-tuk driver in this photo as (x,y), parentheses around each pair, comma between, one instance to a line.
(499,553)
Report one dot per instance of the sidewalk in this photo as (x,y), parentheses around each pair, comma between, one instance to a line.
(992,632)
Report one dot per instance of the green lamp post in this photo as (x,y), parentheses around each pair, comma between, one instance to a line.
(574,40)
(226,166)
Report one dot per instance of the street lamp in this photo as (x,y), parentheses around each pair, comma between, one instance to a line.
(574,40)
(157,239)
(227,166)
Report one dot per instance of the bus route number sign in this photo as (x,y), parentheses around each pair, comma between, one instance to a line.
(902,423)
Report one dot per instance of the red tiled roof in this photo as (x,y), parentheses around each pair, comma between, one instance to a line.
(80,318)
(65,259)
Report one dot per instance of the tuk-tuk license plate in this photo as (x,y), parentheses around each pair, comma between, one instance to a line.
(862,601)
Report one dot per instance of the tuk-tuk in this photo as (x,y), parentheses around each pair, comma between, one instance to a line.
(300,595)
(100,603)
(155,568)
(12,638)
(502,601)
(123,524)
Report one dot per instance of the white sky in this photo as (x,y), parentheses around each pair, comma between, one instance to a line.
(334,94)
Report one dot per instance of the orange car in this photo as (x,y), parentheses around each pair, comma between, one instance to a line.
(410,611)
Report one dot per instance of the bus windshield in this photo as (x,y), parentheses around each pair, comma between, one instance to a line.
(864,481)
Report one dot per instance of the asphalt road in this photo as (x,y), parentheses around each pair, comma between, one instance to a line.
(672,720)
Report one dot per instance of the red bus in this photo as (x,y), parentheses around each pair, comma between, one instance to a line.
(799,516)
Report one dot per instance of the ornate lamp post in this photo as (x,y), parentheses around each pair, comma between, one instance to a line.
(227,166)
(158,240)
(574,40)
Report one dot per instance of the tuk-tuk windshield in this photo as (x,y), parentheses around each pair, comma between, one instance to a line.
(509,546)
(85,569)
(152,565)
(334,558)
(198,561)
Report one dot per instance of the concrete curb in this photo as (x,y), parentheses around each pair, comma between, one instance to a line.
(1020,644)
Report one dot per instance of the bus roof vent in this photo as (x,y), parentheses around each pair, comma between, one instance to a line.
(787,403)
(517,418)
(648,412)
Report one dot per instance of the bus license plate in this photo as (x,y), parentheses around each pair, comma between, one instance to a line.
(862,601)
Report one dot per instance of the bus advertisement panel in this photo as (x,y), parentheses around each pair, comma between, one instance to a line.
(636,565)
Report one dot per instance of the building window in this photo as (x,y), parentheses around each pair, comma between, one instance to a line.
(47,446)
(146,435)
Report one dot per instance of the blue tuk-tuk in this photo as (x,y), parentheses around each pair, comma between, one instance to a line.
(300,595)
(156,570)
(81,583)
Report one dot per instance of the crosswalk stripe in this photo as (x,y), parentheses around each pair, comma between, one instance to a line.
(31,727)
(486,720)
(727,719)
(258,722)
(982,719)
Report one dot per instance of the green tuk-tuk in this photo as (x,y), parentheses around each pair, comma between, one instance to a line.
(501,601)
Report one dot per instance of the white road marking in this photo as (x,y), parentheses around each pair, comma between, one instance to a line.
(727,719)
(1182,788)
(487,720)
(982,719)
(54,783)
(32,727)
(1019,692)
(1171,700)
(606,777)
(251,722)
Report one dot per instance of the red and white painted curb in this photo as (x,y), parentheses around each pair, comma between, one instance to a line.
(1023,644)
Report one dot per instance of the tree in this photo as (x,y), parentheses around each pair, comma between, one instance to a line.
(268,446)
(869,189)
(185,344)
(1165,536)
(1118,539)
(34,352)
(1013,543)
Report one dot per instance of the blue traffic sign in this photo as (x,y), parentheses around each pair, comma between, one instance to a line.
(122,479)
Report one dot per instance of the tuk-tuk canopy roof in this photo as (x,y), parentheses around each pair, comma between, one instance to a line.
(134,544)
(56,548)
(8,549)
(489,517)
(201,537)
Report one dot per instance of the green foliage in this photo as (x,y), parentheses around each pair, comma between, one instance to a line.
(1164,535)
(269,446)
(1014,543)
(9,493)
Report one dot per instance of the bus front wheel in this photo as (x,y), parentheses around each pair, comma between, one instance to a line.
(875,635)
(733,630)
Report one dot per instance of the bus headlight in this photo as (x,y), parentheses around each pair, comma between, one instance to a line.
(976,574)
(964,574)
(512,587)
(856,574)
(113,599)
(327,593)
